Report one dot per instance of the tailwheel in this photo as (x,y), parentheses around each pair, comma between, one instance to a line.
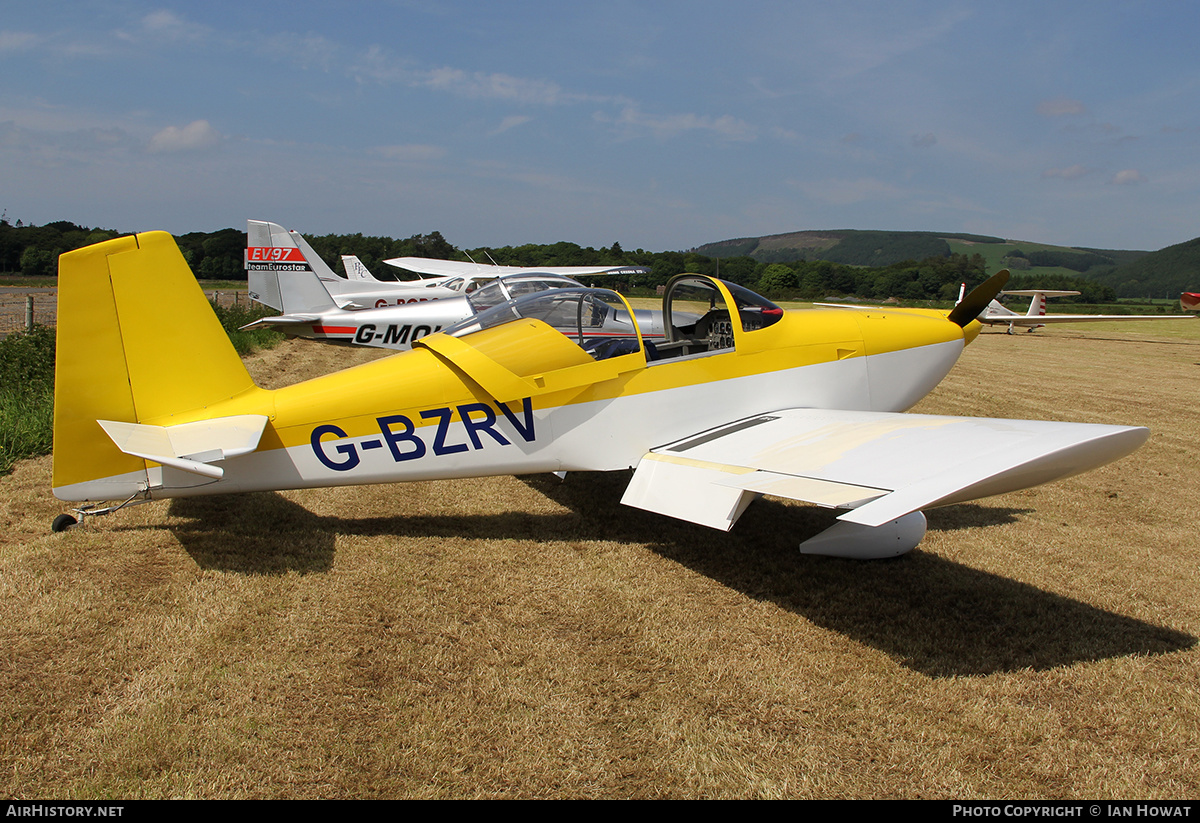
(68,521)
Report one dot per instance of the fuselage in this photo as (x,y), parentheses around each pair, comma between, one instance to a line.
(523,398)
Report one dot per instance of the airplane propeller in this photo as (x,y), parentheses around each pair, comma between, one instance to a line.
(970,306)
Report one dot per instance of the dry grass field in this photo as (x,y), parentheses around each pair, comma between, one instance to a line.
(529,638)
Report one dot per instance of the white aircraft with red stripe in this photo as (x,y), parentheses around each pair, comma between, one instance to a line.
(273,250)
(310,310)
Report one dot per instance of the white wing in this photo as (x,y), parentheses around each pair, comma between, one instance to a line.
(1044,319)
(878,465)
(457,268)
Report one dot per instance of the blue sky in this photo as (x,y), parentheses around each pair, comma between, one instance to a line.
(659,125)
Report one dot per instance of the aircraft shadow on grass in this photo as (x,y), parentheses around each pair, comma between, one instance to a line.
(934,616)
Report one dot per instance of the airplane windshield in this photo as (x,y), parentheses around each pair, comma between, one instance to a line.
(503,289)
(756,311)
(698,321)
(596,319)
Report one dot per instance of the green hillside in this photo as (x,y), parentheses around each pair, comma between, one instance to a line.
(1163,273)
(883,248)
(849,246)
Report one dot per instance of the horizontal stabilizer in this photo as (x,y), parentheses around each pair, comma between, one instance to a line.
(189,446)
(283,320)
(1042,292)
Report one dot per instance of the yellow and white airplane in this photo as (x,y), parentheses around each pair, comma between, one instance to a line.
(742,399)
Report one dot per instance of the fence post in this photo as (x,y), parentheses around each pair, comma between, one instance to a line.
(29,312)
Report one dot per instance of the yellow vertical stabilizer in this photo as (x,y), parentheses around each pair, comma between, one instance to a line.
(137,343)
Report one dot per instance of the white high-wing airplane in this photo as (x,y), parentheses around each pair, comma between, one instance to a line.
(272,249)
(446,286)
(1035,317)
(745,400)
(310,311)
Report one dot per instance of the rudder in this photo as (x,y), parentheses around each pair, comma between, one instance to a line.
(138,342)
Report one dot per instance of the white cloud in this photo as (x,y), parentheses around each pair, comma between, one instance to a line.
(42,148)
(1128,177)
(303,50)
(670,125)
(1069,173)
(924,141)
(510,122)
(162,26)
(16,40)
(1060,106)
(163,23)
(376,64)
(192,137)
(492,86)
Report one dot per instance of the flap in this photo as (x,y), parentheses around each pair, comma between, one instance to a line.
(688,490)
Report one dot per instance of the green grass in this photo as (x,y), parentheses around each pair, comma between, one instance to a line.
(28,281)
(234,317)
(26,395)
(27,381)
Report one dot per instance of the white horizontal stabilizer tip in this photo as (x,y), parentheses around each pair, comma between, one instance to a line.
(189,446)
(282,320)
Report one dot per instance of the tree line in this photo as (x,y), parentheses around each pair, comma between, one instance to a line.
(219,255)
